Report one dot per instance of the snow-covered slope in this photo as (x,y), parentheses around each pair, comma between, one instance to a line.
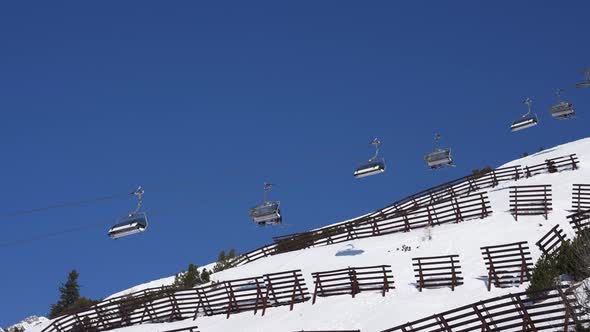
(370,311)
(27,324)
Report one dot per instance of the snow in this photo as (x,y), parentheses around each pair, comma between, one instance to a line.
(27,324)
(370,311)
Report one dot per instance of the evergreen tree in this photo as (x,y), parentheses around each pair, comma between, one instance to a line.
(221,257)
(545,275)
(205,276)
(188,279)
(69,294)
(225,261)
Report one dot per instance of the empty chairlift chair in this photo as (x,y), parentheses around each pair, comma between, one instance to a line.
(267,213)
(133,223)
(562,110)
(374,166)
(439,157)
(526,121)
(586,82)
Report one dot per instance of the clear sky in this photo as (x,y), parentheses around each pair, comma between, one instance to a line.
(201,103)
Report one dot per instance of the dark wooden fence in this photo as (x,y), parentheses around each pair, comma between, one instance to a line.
(167,304)
(553,165)
(507,264)
(553,310)
(437,271)
(353,280)
(405,206)
(185,329)
(530,200)
(580,197)
(551,242)
(453,211)
(579,220)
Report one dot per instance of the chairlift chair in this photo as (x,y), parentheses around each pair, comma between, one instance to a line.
(133,223)
(526,121)
(586,82)
(439,157)
(374,166)
(562,110)
(267,213)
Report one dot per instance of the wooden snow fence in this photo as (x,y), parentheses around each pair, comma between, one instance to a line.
(507,264)
(551,241)
(552,310)
(553,165)
(579,220)
(453,211)
(530,200)
(184,329)
(168,304)
(353,280)
(580,197)
(437,272)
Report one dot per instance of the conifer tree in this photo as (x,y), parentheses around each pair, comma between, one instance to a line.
(188,279)
(69,294)
(205,276)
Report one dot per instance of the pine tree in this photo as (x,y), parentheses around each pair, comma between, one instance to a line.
(232,253)
(221,257)
(188,279)
(205,276)
(69,294)
(544,276)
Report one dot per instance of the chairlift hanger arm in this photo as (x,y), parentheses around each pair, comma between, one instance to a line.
(139,193)
(376,142)
(528,102)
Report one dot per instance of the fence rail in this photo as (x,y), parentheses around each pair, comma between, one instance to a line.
(352,280)
(438,271)
(580,197)
(551,241)
(530,200)
(507,264)
(579,220)
(553,165)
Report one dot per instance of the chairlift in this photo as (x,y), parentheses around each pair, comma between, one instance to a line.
(526,121)
(374,166)
(267,213)
(586,82)
(562,110)
(439,157)
(134,222)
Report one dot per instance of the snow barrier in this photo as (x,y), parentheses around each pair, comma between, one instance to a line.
(445,192)
(352,280)
(507,264)
(552,309)
(551,241)
(581,197)
(530,200)
(437,272)
(168,304)
(579,220)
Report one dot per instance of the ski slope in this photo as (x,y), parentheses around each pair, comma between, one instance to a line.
(369,311)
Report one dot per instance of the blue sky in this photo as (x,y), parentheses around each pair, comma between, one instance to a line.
(201,103)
